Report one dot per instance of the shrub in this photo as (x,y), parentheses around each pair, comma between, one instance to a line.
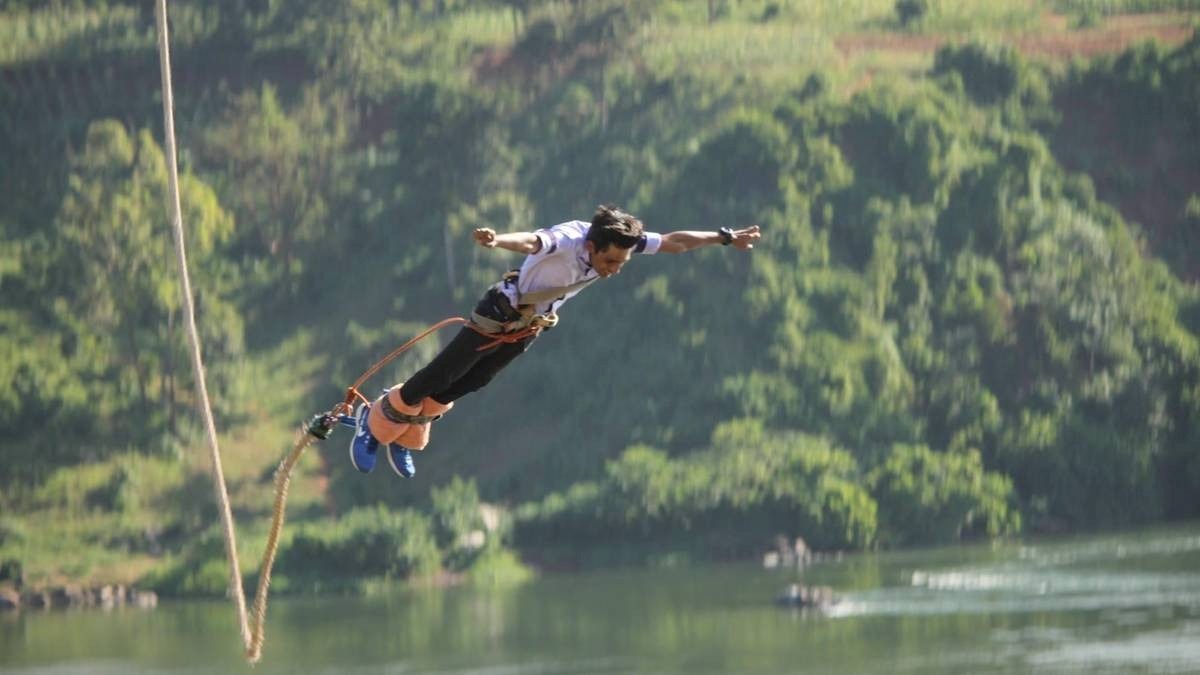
(497,566)
(455,511)
(736,497)
(203,571)
(927,497)
(990,73)
(911,11)
(368,541)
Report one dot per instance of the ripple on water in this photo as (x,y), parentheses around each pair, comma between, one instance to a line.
(1171,651)
(1079,576)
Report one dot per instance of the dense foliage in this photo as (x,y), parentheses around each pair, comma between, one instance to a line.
(944,332)
(740,493)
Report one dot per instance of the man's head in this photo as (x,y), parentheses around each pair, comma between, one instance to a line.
(611,239)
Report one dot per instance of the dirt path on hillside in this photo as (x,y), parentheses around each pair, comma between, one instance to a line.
(1057,41)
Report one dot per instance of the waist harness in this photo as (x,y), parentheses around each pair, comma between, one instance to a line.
(522,317)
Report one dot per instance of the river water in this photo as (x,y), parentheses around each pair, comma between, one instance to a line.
(1125,603)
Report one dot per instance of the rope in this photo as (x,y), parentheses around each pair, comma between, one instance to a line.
(352,392)
(189,313)
(253,639)
(283,477)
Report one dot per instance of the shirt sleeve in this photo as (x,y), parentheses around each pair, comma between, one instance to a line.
(564,236)
(649,243)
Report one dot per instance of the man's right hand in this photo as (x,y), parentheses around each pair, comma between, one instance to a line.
(485,237)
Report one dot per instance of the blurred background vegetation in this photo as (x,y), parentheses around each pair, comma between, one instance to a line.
(973,312)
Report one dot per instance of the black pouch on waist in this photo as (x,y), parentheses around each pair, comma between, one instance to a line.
(495,305)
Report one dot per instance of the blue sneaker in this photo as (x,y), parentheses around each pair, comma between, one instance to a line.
(364,445)
(401,460)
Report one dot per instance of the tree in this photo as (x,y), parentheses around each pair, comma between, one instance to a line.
(927,497)
(114,284)
(911,11)
(455,511)
(742,170)
(283,173)
(747,487)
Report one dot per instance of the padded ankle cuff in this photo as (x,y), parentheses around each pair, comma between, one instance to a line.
(432,407)
(383,429)
(416,436)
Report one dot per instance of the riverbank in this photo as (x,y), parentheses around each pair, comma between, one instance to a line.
(74,596)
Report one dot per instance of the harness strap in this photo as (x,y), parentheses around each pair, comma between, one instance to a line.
(529,323)
(548,294)
(510,332)
(527,320)
(482,324)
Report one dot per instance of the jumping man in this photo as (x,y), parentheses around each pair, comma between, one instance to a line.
(560,261)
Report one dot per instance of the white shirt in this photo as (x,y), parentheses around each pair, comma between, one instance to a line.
(562,261)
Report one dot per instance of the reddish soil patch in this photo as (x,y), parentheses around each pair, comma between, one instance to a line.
(375,121)
(492,60)
(509,65)
(857,43)
(1114,35)
(1090,140)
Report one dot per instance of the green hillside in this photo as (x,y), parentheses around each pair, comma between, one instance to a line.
(973,311)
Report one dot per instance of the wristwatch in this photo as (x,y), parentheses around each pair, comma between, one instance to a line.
(726,236)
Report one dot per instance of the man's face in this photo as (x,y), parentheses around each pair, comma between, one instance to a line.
(609,261)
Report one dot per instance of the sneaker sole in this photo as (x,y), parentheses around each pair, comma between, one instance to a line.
(353,463)
(395,468)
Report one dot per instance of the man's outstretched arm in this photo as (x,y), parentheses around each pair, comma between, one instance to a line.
(521,242)
(686,240)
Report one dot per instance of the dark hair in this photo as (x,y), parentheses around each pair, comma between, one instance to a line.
(612,226)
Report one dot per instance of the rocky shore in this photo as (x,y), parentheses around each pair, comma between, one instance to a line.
(799,596)
(108,596)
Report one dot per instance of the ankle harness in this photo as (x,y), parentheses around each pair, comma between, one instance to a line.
(390,412)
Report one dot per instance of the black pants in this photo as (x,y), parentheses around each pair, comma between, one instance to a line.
(460,368)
